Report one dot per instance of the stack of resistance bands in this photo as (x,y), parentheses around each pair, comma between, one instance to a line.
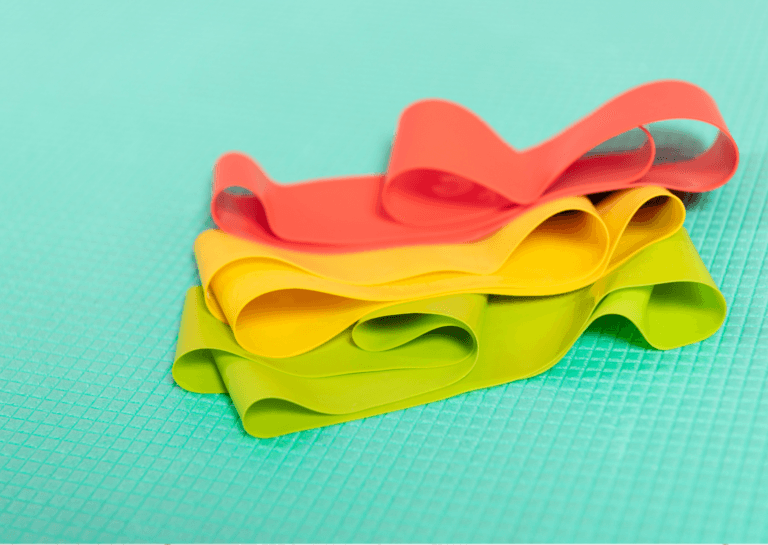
(466,265)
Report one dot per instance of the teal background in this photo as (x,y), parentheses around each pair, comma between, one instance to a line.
(111,117)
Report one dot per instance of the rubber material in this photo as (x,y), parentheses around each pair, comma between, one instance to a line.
(452,179)
(421,351)
(282,303)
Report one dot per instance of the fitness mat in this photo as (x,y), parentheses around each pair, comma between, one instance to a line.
(112,116)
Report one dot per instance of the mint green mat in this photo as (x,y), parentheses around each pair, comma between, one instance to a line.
(111,117)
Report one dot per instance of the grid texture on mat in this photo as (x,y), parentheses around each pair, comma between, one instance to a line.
(112,117)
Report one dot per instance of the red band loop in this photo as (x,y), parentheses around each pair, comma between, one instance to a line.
(451,178)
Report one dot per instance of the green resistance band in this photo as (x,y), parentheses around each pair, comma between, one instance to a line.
(421,351)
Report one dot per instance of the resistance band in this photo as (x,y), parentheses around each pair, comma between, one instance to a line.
(452,179)
(281,303)
(415,352)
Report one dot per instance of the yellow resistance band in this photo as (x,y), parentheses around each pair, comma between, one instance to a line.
(282,303)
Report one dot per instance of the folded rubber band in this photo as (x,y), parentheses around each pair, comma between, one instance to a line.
(282,303)
(420,351)
(451,178)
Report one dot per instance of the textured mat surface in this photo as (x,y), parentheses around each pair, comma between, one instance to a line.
(112,117)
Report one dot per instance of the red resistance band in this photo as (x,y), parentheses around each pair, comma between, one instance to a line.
(452,179)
